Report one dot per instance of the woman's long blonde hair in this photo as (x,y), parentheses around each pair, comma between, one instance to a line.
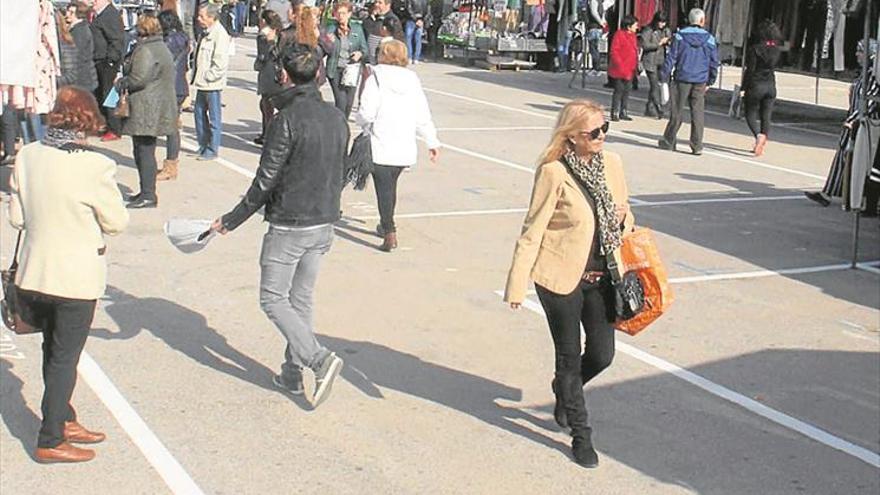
(572,119)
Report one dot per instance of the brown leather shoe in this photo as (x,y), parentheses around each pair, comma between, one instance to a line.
(64,452)
(77,433)
(169,170)
(390,242)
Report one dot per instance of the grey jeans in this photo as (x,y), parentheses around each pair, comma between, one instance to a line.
(289,266)
(695,96)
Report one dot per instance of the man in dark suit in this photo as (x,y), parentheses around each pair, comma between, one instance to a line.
(109,37)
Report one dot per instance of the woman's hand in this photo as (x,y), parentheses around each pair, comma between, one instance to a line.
(218,227)
(356,56)
(515,305)
(620,211)
(434,155)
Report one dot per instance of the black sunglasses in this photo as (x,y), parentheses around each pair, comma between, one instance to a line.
(594,134)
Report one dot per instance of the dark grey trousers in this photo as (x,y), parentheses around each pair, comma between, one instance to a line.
(695,96)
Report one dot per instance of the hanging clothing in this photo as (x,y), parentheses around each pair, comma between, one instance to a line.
(48,62)
(644,11)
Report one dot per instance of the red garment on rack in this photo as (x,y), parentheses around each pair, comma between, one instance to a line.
(644,11)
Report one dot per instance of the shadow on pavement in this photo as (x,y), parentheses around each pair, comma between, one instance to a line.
(21,422)
(183,330)
(681,435)
(370,366)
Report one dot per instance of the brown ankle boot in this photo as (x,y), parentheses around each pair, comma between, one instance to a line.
(169,171)
(390,242)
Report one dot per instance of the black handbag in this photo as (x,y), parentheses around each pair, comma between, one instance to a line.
(10,308)
(359,162)
(629,294)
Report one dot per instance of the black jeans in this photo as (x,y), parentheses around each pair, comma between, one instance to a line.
(106,77)
(9,129)
(620,97)
(759,99)
(342,95)
(65,323)
(145,159)
(587,305)
(695,96)
(385,182)
(655,102)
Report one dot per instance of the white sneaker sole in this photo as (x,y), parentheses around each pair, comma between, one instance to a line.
(323,390)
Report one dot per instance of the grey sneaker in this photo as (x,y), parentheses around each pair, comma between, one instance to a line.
(288,383)
(324,377)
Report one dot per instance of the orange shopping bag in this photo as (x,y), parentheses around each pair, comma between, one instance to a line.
(640,255)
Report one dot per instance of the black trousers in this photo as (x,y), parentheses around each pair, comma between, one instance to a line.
(9,129)
(385,182)
(695,96)
(587,305)
(267,111)
(343,96)
(620,97)
(759,101)
(65,323)
(655,102)
(145,159)
(106,76)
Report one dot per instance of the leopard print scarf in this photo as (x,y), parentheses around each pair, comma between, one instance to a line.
(592,175)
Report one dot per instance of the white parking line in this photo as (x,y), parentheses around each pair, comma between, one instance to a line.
(771,273)
(628,135)
(780,418)
(491,129)
(149,444)
(743,199)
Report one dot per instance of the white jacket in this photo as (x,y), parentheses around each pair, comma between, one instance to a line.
(394,111)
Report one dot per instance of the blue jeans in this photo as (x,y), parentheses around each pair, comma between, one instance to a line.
(289,265)
(413,40)
(209,122)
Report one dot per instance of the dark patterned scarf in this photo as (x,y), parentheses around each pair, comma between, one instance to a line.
(592,175)
(60,138)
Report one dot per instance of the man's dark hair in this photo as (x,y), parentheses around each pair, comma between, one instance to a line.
(301,64)
(627,22)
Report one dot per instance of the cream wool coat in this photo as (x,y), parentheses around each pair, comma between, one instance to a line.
(558,230)
(65,201)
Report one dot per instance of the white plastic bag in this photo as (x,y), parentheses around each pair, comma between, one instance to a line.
(664,93)
(189,235)
(351,75)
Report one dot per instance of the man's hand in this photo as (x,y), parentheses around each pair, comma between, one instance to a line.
(218,227)
(434,155)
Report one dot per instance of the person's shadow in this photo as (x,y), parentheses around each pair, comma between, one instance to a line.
(185,331)
(21,422)
(369,366)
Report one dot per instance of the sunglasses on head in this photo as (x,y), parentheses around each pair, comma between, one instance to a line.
(594,134)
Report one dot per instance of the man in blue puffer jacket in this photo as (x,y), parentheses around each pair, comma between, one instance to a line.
(692,62)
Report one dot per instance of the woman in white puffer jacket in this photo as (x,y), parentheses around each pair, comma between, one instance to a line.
(394,111)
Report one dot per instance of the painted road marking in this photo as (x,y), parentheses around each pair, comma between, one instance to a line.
(771,273)
(780,418)
(149,444)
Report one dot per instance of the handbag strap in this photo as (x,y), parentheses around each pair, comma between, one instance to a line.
(14,265)
(610,262)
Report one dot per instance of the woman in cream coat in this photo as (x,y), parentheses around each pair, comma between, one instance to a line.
(64,199)
(565,237)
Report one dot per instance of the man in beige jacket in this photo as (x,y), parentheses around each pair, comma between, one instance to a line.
(209,79)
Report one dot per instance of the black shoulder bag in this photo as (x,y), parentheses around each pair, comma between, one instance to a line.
(10,308)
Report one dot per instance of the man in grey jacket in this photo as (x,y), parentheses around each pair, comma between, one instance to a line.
(209,80)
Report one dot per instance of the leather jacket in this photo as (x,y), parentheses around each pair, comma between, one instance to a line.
(299,179)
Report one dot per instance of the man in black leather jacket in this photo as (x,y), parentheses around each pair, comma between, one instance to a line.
(299,181)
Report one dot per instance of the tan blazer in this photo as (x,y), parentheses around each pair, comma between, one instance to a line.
(558,230)
(65,201)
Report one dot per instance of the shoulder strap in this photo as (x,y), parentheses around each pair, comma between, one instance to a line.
(14,264)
